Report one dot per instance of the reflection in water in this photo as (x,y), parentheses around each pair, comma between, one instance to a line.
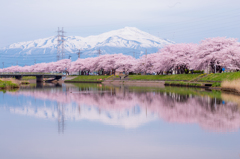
(125,107)
(60,118)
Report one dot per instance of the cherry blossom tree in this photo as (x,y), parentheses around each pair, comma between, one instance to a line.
(176,57)
(125,63)
(221,51)
(145,64)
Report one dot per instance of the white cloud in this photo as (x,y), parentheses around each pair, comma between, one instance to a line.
(27,17)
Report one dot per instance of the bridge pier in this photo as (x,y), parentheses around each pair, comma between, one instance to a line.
(39,78)
(58,78)
(19,77)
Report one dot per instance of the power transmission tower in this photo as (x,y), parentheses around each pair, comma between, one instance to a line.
(35,61)
(60,44)
(3,64)
(79,53)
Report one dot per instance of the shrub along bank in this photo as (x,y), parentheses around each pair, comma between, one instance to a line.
(8,84)
(183,84)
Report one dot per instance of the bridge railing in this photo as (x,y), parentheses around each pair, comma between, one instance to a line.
(29,73)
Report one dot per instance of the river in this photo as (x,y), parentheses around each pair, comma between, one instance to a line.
(118,121)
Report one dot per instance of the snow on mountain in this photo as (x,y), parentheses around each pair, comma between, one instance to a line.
(126,41)
(126,119)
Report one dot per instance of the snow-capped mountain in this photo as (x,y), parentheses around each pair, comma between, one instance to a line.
(128,40)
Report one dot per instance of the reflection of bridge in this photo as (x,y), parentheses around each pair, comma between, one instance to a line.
(39,76)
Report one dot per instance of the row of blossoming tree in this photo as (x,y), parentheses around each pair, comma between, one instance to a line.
(212,53)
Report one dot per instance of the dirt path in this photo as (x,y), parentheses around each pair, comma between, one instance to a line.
(69,78)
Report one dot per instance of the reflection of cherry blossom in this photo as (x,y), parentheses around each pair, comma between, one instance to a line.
(171,107)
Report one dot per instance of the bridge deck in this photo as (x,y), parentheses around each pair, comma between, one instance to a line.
(39,76)
(29,74)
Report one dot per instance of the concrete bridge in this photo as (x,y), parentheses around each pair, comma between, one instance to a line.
(39,76)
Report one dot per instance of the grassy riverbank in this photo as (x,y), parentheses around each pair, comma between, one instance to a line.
(231,86)
(217,77)
(8,84)
(178,77)
(90,79)
(228,76)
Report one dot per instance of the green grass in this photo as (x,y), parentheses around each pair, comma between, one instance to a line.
(178,77)
(216,84)
(183,84)
(28,77)
(8,84)
(221,76)
(89,78)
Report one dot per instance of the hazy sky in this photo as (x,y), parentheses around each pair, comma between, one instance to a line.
(177,20)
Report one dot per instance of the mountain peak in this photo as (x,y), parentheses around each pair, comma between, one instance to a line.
(131,28)
(126,40)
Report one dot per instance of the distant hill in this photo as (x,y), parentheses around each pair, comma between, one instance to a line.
(127,41)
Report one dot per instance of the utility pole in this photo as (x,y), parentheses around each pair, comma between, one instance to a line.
(215,68)
(34,61)
(3,64)
(79,53)
(146,56)
(145,61)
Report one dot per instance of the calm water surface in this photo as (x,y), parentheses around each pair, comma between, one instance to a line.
(124,122)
